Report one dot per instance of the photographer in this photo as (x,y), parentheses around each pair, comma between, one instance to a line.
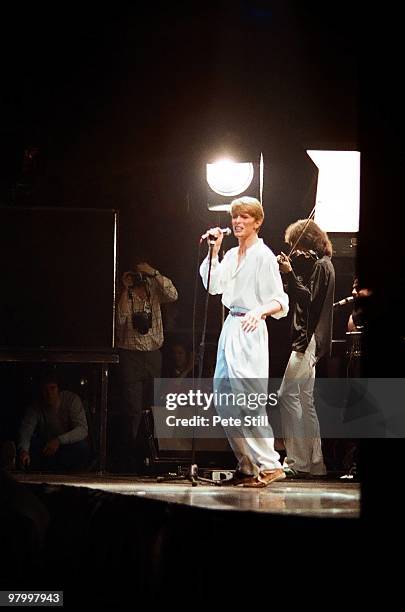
(139,339)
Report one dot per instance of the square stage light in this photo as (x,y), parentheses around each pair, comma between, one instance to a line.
(228,179)
(338,190)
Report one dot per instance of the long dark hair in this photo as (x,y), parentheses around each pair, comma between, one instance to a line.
(313,237)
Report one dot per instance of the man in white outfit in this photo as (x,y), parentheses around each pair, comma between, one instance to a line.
(249,280)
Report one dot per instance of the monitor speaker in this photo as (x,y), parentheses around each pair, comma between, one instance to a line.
(58,275)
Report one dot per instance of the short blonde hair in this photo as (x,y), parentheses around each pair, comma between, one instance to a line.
(248,205)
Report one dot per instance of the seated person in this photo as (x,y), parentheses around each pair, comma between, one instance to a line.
(181,361)
(54,430)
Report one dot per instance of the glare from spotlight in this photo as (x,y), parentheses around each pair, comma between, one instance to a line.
(229,178)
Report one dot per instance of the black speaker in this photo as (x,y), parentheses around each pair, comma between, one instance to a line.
(58,275)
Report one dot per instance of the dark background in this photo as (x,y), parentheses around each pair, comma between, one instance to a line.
(57,267)
(120,108)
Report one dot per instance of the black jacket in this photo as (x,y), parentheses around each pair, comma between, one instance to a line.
(313,296)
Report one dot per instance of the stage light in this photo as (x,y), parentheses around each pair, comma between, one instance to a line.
(338,190)
(228,179)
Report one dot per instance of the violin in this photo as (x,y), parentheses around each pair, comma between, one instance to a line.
(303,262)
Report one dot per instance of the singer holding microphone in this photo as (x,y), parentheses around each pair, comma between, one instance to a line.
(249,281)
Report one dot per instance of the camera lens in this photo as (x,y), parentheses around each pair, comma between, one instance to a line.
(138,279)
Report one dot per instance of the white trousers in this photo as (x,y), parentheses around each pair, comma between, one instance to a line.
(253,445)
(298,415)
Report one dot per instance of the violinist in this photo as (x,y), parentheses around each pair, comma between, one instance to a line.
(310,280)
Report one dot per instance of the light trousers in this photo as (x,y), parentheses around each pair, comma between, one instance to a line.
(252,445)
(298,414)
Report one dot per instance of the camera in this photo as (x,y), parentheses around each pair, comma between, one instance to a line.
(142,321)
(137,278)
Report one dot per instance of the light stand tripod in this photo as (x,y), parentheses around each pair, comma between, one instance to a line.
(192,473)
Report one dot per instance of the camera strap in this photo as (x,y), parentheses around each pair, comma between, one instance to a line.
(147,303)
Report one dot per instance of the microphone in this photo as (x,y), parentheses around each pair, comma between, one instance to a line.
(344,302)
(225,230)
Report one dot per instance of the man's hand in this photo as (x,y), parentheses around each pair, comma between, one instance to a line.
(127,280)
(146,268)
(284,263)
(252,319)
(25,458)
(51,447)
(214,231)
(351,326)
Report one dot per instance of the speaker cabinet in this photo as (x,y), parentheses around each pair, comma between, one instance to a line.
(58,276)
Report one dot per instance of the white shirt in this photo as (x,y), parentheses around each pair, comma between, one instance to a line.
(255,282)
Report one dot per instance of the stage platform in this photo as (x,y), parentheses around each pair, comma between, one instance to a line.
(113,541)
(309,498)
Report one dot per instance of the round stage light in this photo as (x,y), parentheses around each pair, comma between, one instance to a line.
(229,178)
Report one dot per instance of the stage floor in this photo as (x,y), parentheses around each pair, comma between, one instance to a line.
(314,498)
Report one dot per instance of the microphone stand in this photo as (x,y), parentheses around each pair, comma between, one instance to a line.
(192,474)
(194,467)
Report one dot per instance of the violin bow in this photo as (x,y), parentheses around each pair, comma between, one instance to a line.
(311,215)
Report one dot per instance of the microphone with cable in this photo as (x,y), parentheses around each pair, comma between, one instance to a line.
(225,230)
(344,301)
